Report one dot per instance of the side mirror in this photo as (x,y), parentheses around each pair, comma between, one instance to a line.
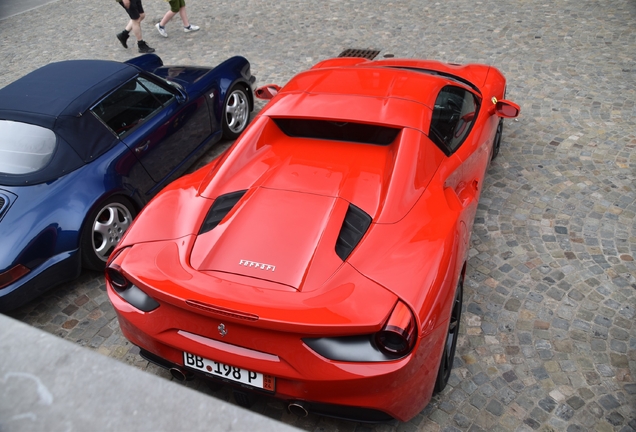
(267,92)
(507,109)
(181,94)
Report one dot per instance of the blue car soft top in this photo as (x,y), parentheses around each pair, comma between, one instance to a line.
(58,97)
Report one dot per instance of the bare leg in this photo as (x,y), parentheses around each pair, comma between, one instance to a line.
(166,18)
(135,26)
(184,17)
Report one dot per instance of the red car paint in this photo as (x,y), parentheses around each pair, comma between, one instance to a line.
(269,272)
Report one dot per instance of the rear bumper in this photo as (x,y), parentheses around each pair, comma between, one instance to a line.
(54,271)
(337,411)
(374,391)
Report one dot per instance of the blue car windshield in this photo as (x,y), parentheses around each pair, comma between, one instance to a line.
(25,148)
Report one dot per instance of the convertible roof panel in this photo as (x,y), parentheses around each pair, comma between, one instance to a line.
(386,111)
(56,97)
(62,88)
(369,81)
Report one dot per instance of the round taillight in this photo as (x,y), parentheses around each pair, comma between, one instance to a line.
(116,278)
(397,337)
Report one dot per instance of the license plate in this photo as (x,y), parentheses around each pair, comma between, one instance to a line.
(221,370)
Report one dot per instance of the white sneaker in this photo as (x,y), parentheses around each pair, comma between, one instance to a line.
(191,28)
(162,31)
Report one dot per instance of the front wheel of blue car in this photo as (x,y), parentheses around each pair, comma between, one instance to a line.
(103,229)
(236,112)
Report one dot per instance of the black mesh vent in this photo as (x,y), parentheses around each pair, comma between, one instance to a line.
(368,54)
(221,207)
(337,131)
(3,205)
(355,224)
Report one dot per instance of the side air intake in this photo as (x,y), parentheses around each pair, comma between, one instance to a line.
(221,207)
(4,205)
(355,224)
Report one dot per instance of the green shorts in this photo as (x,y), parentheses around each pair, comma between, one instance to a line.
(175,5)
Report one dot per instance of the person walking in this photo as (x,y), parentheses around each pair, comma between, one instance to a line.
(176,6)
(136,13)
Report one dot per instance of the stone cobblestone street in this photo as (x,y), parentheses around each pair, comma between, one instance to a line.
(548,331)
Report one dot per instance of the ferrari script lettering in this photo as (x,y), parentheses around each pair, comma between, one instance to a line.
(253,264)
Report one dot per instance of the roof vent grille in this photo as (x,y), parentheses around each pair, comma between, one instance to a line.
(368,54)
(221,207)
(355,225)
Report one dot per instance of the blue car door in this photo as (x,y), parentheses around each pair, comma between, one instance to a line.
(157,127)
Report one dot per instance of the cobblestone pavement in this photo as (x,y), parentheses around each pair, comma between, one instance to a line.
(548,335)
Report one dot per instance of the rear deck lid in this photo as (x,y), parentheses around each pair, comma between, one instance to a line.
(271,235)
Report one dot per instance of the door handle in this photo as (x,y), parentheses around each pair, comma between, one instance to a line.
(466,193)
(142,148)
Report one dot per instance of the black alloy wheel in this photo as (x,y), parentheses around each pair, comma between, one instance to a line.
(446,363)
(496,144)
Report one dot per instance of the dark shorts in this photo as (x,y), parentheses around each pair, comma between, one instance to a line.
(134,10)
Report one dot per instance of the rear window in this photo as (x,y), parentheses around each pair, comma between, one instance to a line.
(337,131)
(453,117)
(25,148)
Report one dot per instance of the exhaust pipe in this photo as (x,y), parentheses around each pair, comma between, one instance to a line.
(298,408)
(178,374)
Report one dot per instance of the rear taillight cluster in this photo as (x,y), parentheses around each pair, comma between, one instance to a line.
(116,278)
(394,341)
(127,291)
(398,335)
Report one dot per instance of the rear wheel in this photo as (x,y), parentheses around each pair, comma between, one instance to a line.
(236,112)
(446,363)
(103,229)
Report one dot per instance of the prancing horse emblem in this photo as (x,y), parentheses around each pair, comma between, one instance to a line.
(222,330)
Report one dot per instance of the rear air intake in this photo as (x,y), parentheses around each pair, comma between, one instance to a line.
(355,224)
(221,207)
(222,311)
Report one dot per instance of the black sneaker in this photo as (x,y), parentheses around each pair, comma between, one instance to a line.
(123,37)
(144,48)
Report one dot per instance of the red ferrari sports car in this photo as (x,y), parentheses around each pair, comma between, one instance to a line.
(320,260)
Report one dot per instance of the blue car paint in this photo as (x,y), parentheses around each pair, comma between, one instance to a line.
(42,229)
(46,220)
(228,73)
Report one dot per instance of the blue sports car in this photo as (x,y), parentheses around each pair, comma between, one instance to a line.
(84,144)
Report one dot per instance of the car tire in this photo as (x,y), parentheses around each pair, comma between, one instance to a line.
(236,112)
(103,229)
(496,144)
(450,344)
